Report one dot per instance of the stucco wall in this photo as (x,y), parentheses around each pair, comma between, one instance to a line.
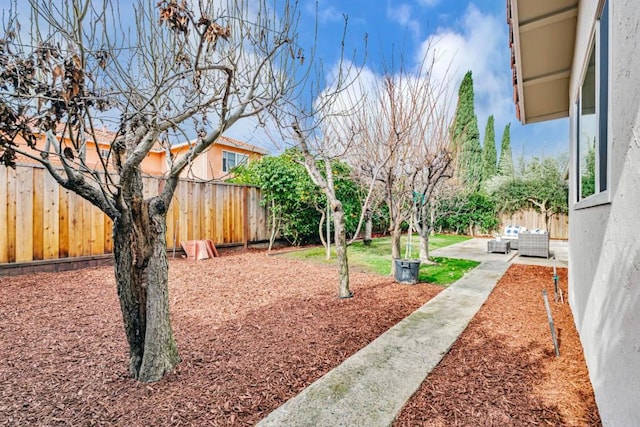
(604,255)
(209,165)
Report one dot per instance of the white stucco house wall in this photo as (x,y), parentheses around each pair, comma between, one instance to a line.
(581,59)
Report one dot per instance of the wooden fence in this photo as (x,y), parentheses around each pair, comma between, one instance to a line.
(558,229)
(39,220)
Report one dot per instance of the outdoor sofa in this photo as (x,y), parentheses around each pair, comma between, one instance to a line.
(533,243)
(511,234)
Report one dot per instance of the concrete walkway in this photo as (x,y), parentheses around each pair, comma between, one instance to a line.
(371,387)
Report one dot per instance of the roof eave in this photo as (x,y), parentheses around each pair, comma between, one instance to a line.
(516,60)
(541,73)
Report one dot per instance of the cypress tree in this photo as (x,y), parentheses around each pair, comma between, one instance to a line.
(489,155)
(472,153)
(505,166)
(466,137)
(464,111)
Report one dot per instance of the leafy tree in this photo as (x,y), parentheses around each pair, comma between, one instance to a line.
(289,193)
(296,204)
(466,137)
(187,70)
(465,212)
(505,165)
(541,187)
(489,155)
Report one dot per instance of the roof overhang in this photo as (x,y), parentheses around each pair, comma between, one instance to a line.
(542,39)
(227,142)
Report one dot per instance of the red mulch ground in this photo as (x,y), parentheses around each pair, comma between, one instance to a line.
(255,330)
(503,369)
(252,331)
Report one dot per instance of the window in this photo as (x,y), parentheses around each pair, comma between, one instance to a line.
(230,160)
(591,118)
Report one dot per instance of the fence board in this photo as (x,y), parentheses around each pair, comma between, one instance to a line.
(12,195)
(37,228)
(238,214)
(41,220)
(234,219)
(75,225)
(24,215)
(194,212)
(228,220)
(219,224)
(63,221)
(186,211)
(108,235)
(256,220)
(4,223)
(201,204)
(97,231)
(209,212)
(171,229)
(50,223)
(87,227)
(183,206)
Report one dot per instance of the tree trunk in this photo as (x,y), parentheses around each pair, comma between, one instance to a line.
(424,247)
(396,234)
(547,220)
(142,269)
(274,226)
(424,230)
(368,230)
(340,238)
(321,228)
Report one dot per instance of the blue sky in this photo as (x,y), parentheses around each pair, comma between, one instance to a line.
(469,35)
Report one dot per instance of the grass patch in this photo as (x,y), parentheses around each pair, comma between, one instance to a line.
(446,270)
(377,258)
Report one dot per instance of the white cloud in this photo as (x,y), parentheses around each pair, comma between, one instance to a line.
(325,13)
(478,44)
(402,14)
(251,131)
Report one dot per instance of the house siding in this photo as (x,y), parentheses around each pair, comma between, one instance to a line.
(208,166)
(604,255)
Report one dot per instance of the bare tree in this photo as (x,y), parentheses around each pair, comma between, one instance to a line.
(404,145)
(316,162)
(322,137)
(385,149)
(185,68)
(432,159)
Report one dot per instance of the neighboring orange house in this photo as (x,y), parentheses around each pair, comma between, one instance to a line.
(214,164)
(219,159)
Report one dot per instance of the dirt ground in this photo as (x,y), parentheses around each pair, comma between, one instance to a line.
(254,330)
